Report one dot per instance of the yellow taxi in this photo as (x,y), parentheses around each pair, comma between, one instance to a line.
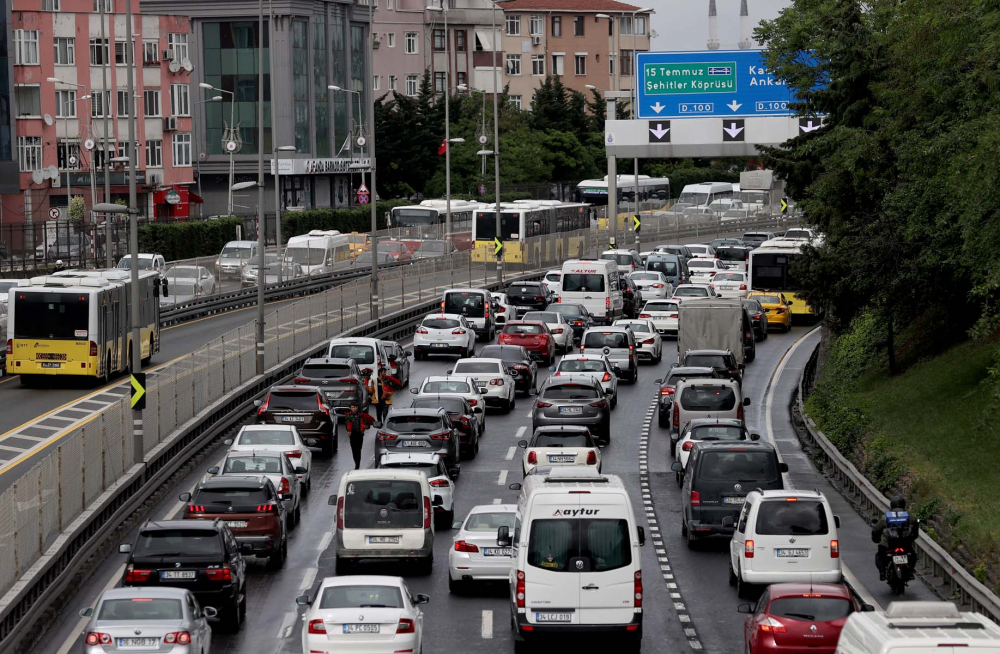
(776,307)
(358,243)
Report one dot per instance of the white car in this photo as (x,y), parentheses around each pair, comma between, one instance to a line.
(595,365)
(438,384)
(652,283)
(703,270)
(663,314)
(562,331)
(474,556)
(492,378)
(363,613)
(692,291)
(503,308)
(276,467)
(444,333)
(436,472)
(147,261)
(562,445)
(647,339)
(702,250)
(276,438)
(553,280)
(199,278)
(700,430)
(730,284)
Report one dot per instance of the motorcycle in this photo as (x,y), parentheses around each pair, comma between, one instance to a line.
(898,570)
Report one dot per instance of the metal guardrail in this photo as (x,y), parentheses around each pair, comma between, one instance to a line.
(943,574)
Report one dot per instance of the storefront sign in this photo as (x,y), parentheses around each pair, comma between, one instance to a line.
(115,178)
(320,166)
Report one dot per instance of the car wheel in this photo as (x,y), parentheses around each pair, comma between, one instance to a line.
(232,619)
(732,575)
(513,401)
(614,400)
(743,589)
(298,515)
(277,560)
(418,355)
(308,485)
(663,422)
(427,565)
(455,586)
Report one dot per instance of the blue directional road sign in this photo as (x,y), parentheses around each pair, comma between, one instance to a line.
(716,83)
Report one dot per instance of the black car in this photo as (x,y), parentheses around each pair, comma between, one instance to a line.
(723,361)
(718,476)
(680,250)
(470,422)
(631,297)
(669,384)
(522,367)
(754,239)
(758,316)
(576,315)
(201,556)
(399,361)
(529,296)
(340,380)
(305,408)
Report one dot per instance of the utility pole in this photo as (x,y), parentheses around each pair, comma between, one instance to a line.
(133,229)
(370,54)
(496,140)
(105,97)
(261,226)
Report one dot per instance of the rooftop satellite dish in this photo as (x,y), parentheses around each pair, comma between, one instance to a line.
(37,176)
(186,65)
(89,144)
(202,156)
(174,66)
(48,119)
(51,172)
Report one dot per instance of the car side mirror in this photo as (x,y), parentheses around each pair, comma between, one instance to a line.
(299,470)
(477,409)
(503,536)
(642,536)
(303,600)
(422,598)
(437,501)
(836,521)
(214,470)
(522,443)
(246,548)
(407,354)
(783,467)
(746,401)
(616,369)
(657,381)
(87,612)
(755,437)
(209,612)
(414,391)
(453,473)
(285,496)
(450,371)
(393,358)
(552,368)
(867,608)
(728,522)
(516,486)
(744,608)
(228,441)
(457,524)
(258,402)
(124,548)
(676,466)
(312,442)
(184,497)
(332,500)
(790,303)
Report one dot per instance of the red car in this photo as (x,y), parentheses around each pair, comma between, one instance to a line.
(797,617)
(399,251)
(534,336)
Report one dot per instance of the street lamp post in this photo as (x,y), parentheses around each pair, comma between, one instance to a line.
(261,279)
(277,199)
(447,121)
(261,222)
(495,151)
(635,109)
(232,126)
(197,154)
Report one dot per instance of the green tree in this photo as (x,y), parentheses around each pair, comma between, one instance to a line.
(77,209)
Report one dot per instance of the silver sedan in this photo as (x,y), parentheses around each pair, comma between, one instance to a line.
(148,620)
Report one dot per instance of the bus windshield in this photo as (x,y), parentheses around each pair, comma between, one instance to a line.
(415,217)
(61,316)
(773,272)
(693,199)
(486,226)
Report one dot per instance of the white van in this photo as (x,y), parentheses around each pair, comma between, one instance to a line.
(594,284)
(919,628)
(318,251)
(384,513)
(366,352)
(475,304)
(702,194)
(577,566)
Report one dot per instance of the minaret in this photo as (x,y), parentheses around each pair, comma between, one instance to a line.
(746,31)
(713,26)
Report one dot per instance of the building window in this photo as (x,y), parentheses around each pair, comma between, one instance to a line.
(26,47)
(66,150)
(320,82)
(392,82)
(460,41)
(461,78)
(611,63)
(99,55)
(123,103)
(538,64)
(29,153)
(182,150)
(122,51)
(28,100)
(108,7)
(557,26)
(513,64)
(640,25)
(50,5)
(99,100)
(390,4)
(125,150)
(64,51)
(179,44)
(577,25)
(300,84)
(180,100)
(625,25)
(514,25)
(537,24)
(151,103)
(410,45)
(438,40)
(580,64)
(557,65)
(65,104)
(150,52)
(375,83)
(154,154)
(411,85)
(440,81)
(391,36)
(626,59)
(515,100)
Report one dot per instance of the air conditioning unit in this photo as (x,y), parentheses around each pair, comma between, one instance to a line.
(376,42)
(168,54)
(153,179)
(170,124)
(536,40)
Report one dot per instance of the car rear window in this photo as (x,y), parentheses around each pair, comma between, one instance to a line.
(729,277)
(731,254)
(361,597)
(529,288)
(645,276)
(660,265)
(708,398)
(413,424)
(606,339)
(620,259)
(567,310)
(705,361)
(489,522)
(467,304)
(562,440)
(768,299)
(541,316)
(141,608)
(738,465)
(362,354)
(441,323)
(178,542)
(508,353)
(791,518)
(660,306)
(477,366)
(599,545)
(583,283)
(811,609)
(446,387)
(582,365)
(449,404)
(700,263)
(326,371)
(230,497)
(267,437)
(717,433)
(522,329)
(293,401)
(638,327)
(691,291)
(250,465)
(383,504)
(570,392)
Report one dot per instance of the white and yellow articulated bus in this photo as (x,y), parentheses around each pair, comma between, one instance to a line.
(525,219)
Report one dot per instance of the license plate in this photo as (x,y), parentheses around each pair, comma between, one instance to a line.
(786,553)
(293,418)
(562,458)
(570,410)
(51,365)
(435,345)
(177,574)
(498,551)
(414,444)
(139,642)
(237,524)
(734,500)
(383,540)
(523,308)
(901,560)
(361,628)
(553,617)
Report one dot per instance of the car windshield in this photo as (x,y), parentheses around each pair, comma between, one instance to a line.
(141,609)
(553,277)
(448,386)
(582,365)
(522,329)
(599,545)
(467,304)
(144,264)
(659,265)
(477,366)
(178,542)
(431,246)
(691,291)
(542,316)
(441,323)
(708,398)
(413,424)
(362,354)
(361,597)
(797,233)
(231,252)
(768,299)
(63,316)
(738,465)
(791,518)
(250,465)
(562,440)
(606,339)
(811,609)
(731,254)
(306,256)
(293,401)
(326,370)
(716,433)
(660,306)
(582,283)
(705,361)
(266,437)
(383,504)
(620,259)
(570,392)
(489,522)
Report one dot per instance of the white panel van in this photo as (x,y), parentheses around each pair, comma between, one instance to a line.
(594,284)
(919,628)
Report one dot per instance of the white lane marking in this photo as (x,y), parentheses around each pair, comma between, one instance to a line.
(174,511)
(496,500)
(859,587)
(487,630)
(510,452)
(74,639)
(285,630)
(325,541)
(503,478)
(308,579)
(528,415)
(521,430)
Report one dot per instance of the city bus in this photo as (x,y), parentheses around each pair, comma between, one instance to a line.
(525,219)
(770,269)
(79,323)
(595,191)
(427,221)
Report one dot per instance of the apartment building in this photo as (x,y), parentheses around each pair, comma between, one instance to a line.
(71,107)
(586,42)
(8,164)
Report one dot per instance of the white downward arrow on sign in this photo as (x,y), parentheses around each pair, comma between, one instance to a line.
(734,105)
(659,131)
(732,130)
(809,127)
(658,107)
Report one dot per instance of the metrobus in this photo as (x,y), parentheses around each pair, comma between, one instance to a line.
(595,191)
(427,221)
(524,219)
(79,323)
(770,269)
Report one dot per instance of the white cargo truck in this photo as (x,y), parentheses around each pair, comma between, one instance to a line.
(760,191)
(711,324)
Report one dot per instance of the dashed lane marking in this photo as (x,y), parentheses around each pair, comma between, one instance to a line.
(510,452)
(308,578)
(325,541)
(286,625)
(502,478)
(496,500)
(487,630)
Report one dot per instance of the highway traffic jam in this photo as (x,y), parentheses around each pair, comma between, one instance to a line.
(602,456)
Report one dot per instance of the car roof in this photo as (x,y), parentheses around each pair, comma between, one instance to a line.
(709,381)
(792,589)
(703,422)
(486,359)
(585,357)
(277,427)
(608,328)
(710,352)
(362,580)
(409,457)
(738,446)
(329,360)
(163,525)
(783,493)
(451,316)
(233,481)
(398,411)
(156,592)
(493,508)
(445,378)
(566,429)
(293,387)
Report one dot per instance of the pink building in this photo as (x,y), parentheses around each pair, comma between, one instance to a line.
(66,129)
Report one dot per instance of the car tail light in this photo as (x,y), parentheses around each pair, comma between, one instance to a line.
(739,412)
(442,306)
(462,546)
(219,574)
(319,404)
(441,436)
(405,626)
(712,274)
(195,508)
(519,590)
(427,513)
(294,454)
(349,380)
(422,330)
(438,483)
(263,407)
(270,507)
(137,576)
(649,341)
(532,458)
(592,458)
(10,346)
(501,309)
(521,366)
(382,436)
(771,626)
(687,446)
(458,331)
(496,382)
(779,310)
(606,377)
(743,287)
(607,303)
(748,549)
(340,512)
(657,285)
(667,390)
(645,315)
(284,488)
(695,498)
(638,589)
(543,405)
(557,330)
(834,549)
(464,421)
(557,374)
(473,402)
(600,404)
(317,627)
(673,315)
(93,349)
(301,380)
(677,416)
(97,638)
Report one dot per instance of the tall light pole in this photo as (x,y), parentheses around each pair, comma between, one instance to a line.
(69,181)
(261,280)
(261,223)
(232,126)
(277,199)
(105,108)
(634,96)
(197,160)
(447,121)
(496,148)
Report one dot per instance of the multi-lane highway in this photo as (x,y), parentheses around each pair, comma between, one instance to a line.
(688,603)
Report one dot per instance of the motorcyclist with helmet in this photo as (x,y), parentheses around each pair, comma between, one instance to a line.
(896,528)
